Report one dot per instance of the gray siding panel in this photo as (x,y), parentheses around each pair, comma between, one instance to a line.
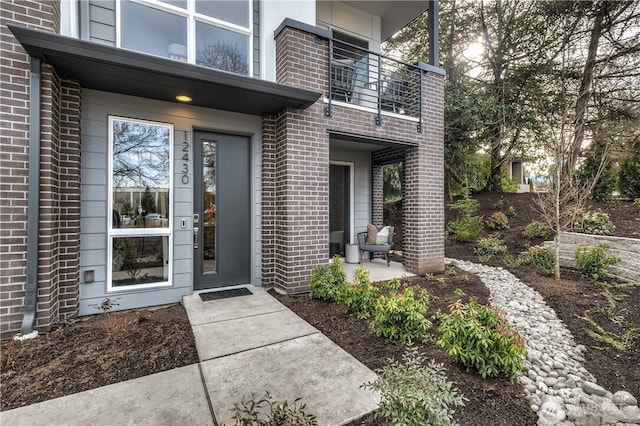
(256,38)
(97,106)
(102,21)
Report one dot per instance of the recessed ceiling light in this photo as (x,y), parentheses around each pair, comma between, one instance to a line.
(183,98)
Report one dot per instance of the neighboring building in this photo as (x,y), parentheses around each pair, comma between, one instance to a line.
(151,149)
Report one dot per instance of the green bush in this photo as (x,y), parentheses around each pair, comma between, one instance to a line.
(596,223)
(511,212)
(536,229)
(413,393)
(544,258)
(327,280)
(360,297)
(497,220)
(629,177)
(481,339)
(401,319)
(508,184)
(636,203)
(465,206)
(593,260)
(465,229)
(489,247)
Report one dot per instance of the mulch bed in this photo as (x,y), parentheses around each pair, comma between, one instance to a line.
(81,357)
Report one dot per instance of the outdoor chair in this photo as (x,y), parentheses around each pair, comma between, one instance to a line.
(382,247)
(343,79)
(394,94)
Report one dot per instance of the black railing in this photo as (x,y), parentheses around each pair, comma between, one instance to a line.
(361,77)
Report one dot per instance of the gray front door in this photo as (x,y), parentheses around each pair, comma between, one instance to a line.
(222,216)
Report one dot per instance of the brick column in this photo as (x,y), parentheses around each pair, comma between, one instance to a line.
(377,194)
(14,168)
(268,201)
(424,186)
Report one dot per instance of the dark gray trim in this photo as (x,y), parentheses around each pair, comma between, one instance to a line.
(371,140)
(292,23)
(110,69)
(33,203)
(430,68)
(434,31)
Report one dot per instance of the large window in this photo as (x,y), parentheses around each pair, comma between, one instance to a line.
(215,34)
(140,212)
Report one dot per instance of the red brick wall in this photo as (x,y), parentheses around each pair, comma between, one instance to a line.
(59,184)
(301,162)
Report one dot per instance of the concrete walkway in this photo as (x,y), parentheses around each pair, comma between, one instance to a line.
(246,346)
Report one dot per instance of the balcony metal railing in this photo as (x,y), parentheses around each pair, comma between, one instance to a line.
(361,77)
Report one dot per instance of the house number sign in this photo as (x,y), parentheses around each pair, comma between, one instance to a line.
(185,163)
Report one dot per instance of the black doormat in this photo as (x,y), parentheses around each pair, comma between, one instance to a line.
(224,294)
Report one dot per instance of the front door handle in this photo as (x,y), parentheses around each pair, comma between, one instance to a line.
(195,237)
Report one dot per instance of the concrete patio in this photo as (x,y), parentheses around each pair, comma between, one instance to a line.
(378,270)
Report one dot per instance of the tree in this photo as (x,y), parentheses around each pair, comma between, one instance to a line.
(223,56)
(148,201)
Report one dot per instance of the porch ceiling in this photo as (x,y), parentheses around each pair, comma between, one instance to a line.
(116,70)
(394,14)
(365,143)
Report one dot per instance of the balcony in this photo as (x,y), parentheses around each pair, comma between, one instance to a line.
(367,80)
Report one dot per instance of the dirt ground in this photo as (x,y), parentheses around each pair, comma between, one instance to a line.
(81,356)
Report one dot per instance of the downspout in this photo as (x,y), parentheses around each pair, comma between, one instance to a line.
(33,199)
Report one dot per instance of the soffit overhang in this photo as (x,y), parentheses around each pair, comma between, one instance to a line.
(111,69)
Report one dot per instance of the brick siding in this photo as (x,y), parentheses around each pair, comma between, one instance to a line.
(300,237)
(59,184)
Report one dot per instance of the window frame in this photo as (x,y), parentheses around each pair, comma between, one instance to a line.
(114,232)
(192,18)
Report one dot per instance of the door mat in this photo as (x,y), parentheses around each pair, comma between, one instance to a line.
(225,294)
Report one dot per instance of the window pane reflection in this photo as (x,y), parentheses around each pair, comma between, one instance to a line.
(140,260)
(149,30)
(234,11)
(140,176)
(222,49)
(209,201)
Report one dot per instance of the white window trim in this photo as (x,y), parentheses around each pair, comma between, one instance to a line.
(192,18)
(138,232)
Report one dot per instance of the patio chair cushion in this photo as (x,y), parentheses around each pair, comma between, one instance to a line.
(383,236)
(372,234)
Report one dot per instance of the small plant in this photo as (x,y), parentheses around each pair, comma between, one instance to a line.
(480,338)
(9,354)
(497,220)
(414,393)
(636,203)
(596,223)
(451,270)
(489,247)
(459,292)
(401,318)
(465,206)
(465,229)
(511,212)
(619,342)
(360,297)
(543,258)
(593,260)
(326,280)
(536,229)
(267,412)
(115,326)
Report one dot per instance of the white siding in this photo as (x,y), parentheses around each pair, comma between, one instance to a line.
(347,19)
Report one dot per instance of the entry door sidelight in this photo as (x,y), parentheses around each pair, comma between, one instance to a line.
(222,216)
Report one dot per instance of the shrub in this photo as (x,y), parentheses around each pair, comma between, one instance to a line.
(360,297)
(326,280)
(466,206)
(629,177)
(489,247)
(480,338)
(267,412)
(596,223)
(497,220)
(508,184)
(511,212)
(593,260)
(536,229)
(544,258)
(636,203)
(465,229)
(415,394)
(401,319)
